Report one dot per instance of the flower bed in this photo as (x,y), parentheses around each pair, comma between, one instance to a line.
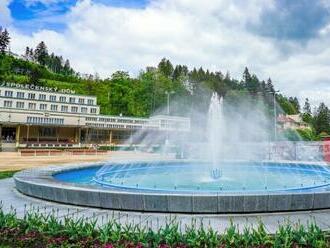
(37,230)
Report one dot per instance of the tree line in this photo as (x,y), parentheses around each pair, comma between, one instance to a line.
(147,93)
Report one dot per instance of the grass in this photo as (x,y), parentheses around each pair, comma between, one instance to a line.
(7,174)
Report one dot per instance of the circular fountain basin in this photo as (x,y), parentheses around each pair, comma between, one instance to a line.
(184,186)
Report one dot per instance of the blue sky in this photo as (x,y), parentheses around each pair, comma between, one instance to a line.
(287,40)
(32,15)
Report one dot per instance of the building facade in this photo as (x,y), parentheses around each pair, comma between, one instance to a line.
(32,116)
(290,122)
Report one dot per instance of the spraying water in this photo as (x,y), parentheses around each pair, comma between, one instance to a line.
(216,129)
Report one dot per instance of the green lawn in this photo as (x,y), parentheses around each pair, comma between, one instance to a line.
(6,174)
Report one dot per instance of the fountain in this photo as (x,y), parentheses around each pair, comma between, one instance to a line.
(215,129)
(209,184)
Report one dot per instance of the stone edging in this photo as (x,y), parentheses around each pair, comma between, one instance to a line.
(41,184)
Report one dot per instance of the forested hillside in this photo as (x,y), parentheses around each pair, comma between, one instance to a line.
(147,93)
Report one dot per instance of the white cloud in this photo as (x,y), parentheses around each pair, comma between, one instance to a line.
(211,34)
(5,18)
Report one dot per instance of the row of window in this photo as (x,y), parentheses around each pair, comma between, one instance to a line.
(114,126)
(116,120)
(45,120)
(44,107)
(52,98)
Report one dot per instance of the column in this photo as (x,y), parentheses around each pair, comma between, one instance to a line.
(79,136)
(110,137)
(76,134)
(0,137)
(27,134)
(57,134)
(18,133)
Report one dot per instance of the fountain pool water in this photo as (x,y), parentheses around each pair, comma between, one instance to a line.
(198,177)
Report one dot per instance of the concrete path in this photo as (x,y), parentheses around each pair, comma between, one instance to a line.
(11,199)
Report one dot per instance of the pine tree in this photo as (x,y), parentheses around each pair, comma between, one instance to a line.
(31,56)
(269,86)
(67,68)
(246,77)
(41,53)
(322,119)
(307,112)
(165,67)
(4,40)
(307,107)
(295,103)
(27,53)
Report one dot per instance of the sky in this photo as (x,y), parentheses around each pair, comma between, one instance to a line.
(287,40)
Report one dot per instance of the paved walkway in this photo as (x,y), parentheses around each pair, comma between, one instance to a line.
(14,161)
(11,199)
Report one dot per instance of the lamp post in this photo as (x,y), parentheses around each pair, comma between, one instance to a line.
(168,93)
(275,112)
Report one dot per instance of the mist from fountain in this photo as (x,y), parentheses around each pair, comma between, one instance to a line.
(232,129)
(215,129)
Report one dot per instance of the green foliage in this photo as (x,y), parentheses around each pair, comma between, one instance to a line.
(146,94)
(321,121)
(37,230)
(7,174)
(307,134)
(4,40)
(291,135)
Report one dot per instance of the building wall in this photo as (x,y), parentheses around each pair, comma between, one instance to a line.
(74,127)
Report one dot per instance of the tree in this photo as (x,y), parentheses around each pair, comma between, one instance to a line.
(246,76)
(34,76)
(4,40)
(67,68)
(295,103)
(41,53)
(307,112)
(322,119)
(27,52)
(269,86)
(307,107)
(165,67)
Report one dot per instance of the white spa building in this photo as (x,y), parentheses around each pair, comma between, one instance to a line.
(32,116)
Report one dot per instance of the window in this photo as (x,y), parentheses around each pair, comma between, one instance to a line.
(43,120)
(32,106)
(31,96)
(81,101)
(74,109)
(90,101)
(64,108)
(53,107)
(43,106)
(20,105)
(52,98)
(42,97)
(47,131)
(83,110)
(7,104)
(62,99)
(93,110)
(20,95)
(8,93)
(72,100)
